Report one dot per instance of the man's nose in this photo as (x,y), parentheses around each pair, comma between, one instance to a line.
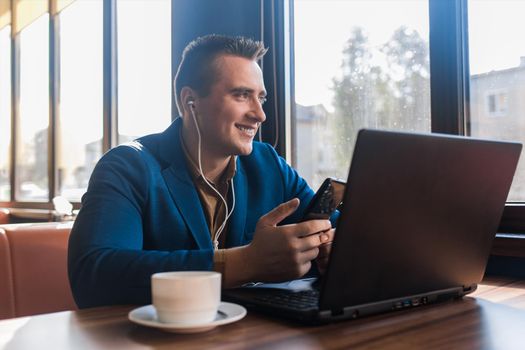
(258,112)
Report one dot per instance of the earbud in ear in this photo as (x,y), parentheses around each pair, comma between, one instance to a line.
(190,103)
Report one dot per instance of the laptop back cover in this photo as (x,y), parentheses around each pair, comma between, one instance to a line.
(420,213)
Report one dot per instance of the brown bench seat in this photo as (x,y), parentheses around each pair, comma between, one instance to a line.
(33,269)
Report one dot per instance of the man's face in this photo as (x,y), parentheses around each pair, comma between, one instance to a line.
(230,115)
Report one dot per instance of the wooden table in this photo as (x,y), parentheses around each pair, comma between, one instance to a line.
(492,318)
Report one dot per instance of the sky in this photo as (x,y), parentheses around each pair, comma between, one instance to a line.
(496,30)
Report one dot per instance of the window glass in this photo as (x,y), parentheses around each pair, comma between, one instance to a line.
(79,136)
(32,134)
(144,67)
(363,64)
(497,80)
(5,113)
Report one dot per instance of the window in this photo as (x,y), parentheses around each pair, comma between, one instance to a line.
(66,101)
(79,125)
(496,104)
(497,81)
(367,67)
(32,134)
(5,113)
(144,67)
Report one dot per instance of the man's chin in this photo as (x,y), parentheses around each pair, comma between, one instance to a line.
(245,150)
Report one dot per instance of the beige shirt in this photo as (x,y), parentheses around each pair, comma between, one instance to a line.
(213,207)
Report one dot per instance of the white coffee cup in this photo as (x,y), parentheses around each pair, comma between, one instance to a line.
(188,297)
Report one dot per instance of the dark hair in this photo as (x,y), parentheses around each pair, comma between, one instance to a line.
(197,67)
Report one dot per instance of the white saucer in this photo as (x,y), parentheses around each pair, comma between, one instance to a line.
(147,316)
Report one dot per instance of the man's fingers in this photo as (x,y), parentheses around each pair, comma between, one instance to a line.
(308,255)
(324,250)
(307,243)
(322,264)
(327,236)
(310,227)
(279,213)
(305,268)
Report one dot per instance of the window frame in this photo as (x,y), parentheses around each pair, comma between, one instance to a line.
(109,91)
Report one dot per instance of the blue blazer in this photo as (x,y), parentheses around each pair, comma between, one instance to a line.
(141,214)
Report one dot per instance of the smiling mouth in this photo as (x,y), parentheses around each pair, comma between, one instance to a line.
(249,131)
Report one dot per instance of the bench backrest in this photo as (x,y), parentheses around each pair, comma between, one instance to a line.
(33,264)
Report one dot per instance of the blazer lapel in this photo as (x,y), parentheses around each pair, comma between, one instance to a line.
(181,187)
(187,200)
(235,236)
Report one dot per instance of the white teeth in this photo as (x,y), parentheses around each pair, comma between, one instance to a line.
(248,131)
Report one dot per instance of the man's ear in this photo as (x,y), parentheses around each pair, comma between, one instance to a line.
(188,99)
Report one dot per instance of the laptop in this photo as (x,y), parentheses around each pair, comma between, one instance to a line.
(419,214)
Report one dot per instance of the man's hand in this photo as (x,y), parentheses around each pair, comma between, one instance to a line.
(326,239)
(279,253)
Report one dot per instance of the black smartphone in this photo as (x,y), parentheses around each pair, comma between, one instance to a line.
(326,200)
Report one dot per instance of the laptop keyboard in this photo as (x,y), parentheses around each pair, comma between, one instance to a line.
(303,300)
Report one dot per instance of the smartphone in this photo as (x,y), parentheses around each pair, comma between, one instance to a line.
(326,200)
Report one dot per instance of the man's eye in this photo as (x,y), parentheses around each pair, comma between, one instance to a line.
(262,100)
(243,95)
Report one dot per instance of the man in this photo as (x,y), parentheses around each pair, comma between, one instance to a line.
(160,202)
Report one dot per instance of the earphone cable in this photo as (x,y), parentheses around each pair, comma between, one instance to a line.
(228,213)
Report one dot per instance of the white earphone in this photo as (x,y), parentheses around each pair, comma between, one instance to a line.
(191,103)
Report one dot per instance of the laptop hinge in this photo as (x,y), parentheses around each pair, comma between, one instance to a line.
(337,312)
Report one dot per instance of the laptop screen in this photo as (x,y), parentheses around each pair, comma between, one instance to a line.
(420,213)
